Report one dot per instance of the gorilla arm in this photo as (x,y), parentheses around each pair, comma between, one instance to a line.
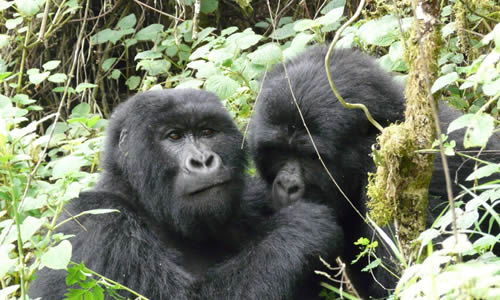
(272,266)
(119,246)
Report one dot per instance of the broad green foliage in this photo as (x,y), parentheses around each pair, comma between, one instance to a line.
(136,49)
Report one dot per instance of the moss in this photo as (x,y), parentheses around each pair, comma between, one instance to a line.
(399,188)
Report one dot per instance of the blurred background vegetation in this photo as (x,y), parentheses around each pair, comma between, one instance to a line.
(64,65)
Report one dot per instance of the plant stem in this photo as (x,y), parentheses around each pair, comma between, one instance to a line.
(23,59)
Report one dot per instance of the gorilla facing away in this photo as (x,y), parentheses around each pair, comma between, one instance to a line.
(286,159)
(190,224)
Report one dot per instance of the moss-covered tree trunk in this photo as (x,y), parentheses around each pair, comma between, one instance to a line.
(399,189)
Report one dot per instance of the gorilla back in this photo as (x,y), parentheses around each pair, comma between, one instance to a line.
(190,225)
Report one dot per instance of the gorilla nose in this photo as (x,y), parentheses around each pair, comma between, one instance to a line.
(287,190)
(206,162)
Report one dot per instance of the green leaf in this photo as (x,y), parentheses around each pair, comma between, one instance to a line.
(228,30)
(396,51)
(83,86)
(284,32)
(4,40)
(108,63)
(222,86)
(302,25)
(149,33)
(99,211)
(443,81)
(202,51)
(66,166)
(4,293)
(76,273)
(35,77)
(209,6)
(6,263)
(332,16)
(127,22)
(149,54)
(190,84)
(267,54)
(28,8)
(492,88)
(484,172)
(301,40)
(133,82)
(58,78)
(220,56)
(57,257)
(333,4)
(248,39)
(104,36)
(30,226)
(201,36)
(372,265)
(115,74)
(154,67)
(448,29)
(380,32)
(12,23)
(479,128)
(51,65)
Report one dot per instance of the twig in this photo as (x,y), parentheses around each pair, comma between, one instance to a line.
(435,115)
(41,33)
(157,10)
(195,19)
(330,80)
(251,112)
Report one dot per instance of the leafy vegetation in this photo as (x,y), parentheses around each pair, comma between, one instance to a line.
(65,64)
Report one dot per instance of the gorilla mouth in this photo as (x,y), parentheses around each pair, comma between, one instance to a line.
(203,188)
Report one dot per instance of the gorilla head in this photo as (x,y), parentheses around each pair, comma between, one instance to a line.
(281,147)
(177,152)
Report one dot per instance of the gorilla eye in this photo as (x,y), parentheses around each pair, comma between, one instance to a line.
(174,135)
(207,132)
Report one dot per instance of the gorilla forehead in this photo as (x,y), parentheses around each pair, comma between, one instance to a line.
(182,107)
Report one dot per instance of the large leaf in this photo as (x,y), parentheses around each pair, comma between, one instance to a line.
(380,32)
(479,128)
(267,54)
(57,257)
(67,165)
(6,263)
(444,81)
(149,33)
(29,8)
(221,85)
(209,6)
(127,22)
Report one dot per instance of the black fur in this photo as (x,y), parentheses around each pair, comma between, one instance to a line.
(190,225)
(287,161)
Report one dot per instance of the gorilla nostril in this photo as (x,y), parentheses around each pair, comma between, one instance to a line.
(195,164)
(210,161)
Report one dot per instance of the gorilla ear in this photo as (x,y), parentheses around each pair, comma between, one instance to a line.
(123,137)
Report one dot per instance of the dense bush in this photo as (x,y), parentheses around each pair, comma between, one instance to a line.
(65,64)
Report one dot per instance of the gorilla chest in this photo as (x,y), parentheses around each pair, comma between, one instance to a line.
(197,259)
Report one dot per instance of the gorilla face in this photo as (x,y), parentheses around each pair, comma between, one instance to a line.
(281,146)
(179,151)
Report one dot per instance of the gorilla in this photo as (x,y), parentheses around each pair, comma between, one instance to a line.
(287,161)
(190,224)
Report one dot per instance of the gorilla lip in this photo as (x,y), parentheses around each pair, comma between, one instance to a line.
(207,187)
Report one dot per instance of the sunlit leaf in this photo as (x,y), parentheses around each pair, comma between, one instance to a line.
(57,257)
